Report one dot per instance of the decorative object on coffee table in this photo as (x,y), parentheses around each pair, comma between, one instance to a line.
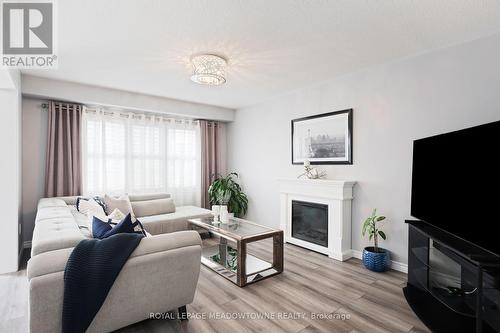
(216,211)
(224,214)
(375,258)
(237,202)
(233,238)
(223,198)
(323,139)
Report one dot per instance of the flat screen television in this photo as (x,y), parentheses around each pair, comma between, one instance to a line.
(456,184)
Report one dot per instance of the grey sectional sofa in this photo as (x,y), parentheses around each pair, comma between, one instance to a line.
(160,275)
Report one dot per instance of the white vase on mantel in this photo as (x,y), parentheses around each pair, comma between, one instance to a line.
(224,214)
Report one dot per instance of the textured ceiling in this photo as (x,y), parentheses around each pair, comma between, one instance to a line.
(272,46)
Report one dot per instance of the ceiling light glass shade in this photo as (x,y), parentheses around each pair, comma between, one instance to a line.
(208,69)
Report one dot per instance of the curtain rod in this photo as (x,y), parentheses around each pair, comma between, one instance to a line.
(139,115)
(46,106)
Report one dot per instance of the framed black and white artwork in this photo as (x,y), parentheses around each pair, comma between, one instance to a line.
(323,139)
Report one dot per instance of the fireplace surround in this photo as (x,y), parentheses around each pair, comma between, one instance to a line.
(316,214)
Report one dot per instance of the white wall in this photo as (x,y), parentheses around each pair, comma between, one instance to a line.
(34,126)
(10,175)
(81,93)
(393,104)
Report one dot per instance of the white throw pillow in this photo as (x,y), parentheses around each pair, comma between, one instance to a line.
(91,207)
(116,215)
(122,204)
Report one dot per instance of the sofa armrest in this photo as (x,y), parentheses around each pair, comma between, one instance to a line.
(165,242)
(55,261)
(160,275)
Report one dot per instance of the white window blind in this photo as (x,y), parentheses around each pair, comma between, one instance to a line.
(138,153)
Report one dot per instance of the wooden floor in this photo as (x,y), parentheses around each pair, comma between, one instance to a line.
(313,294)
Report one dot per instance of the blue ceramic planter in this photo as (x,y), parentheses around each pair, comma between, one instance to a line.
(376,261)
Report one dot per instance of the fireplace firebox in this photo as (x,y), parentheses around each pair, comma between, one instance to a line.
(310,222)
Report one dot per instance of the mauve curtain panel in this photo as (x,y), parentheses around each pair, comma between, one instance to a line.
(213,155)
(63,174)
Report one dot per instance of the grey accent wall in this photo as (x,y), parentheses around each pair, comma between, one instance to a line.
(10,168)
(394,103)
(34,143)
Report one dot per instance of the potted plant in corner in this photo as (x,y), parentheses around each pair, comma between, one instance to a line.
(375,258)
(223,188)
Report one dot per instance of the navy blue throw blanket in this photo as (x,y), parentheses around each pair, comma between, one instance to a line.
(89,275)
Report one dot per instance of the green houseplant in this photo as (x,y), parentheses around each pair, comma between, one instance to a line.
(375,258)
(226,190)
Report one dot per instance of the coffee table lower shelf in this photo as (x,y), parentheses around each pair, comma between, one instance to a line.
(256,268)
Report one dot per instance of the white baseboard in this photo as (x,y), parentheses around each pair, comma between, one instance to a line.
(27,245)
(395,265)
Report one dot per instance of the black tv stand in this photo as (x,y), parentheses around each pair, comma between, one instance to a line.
(473,305)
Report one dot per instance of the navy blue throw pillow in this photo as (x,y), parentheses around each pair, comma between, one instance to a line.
(100,228)
(125,226)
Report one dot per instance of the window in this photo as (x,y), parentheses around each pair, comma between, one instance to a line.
(130,153)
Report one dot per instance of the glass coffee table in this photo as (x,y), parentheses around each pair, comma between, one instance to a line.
(227,254)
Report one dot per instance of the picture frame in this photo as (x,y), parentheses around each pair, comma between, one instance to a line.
(323,138)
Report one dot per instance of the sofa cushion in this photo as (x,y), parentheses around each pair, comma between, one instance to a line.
(48,263)
(166,223)
(55,227)
(50,202)
(54,234)
(52,212)
(153,207)
(80,219)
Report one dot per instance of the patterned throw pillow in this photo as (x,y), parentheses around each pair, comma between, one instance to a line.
(95,198)
(90,207)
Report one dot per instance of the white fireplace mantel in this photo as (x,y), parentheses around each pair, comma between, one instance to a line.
(337,194)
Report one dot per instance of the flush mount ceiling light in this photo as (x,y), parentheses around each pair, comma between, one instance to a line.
(208,69)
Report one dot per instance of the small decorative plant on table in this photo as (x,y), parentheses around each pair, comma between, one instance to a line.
(227,194)
(226,191)
(375,258)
